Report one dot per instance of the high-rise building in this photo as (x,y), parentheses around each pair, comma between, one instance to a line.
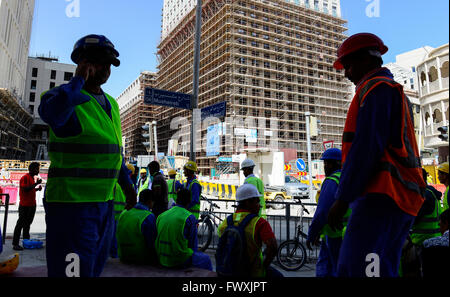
(15,31)
(271,62)
(43,73)
(134,113)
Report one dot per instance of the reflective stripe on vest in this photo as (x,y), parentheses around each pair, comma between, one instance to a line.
(327,230)
(85,168)
(398,173)
(195,209)
(254,251)
(131,242)
(171,245)
(253,180)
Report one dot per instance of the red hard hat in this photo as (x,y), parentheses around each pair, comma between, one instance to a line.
(357,42)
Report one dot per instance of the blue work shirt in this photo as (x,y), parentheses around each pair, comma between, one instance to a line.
(148,227)
(57,109)
(378,125)
(195,190)
(326,200)
(190,231)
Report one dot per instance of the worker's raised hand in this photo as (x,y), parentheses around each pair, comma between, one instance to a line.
(38,181)
(336,214)
(85,69)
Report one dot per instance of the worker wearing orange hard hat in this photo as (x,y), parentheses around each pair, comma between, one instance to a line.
(381,174)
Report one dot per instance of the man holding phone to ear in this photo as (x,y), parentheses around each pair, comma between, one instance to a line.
(85,150)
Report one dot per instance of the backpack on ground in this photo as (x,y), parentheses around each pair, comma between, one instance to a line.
(231,255)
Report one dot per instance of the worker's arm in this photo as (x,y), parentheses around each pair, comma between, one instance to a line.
(148,230)
(190,232)
(27,186)
(126,184)
(196,190)
(378,124)
(265,233)
(319,220)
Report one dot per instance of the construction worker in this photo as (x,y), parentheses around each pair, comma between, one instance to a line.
(381,174)
(194,187)
(158,185)
(444,179)
(173,185)
(136,232)
(85,148)
(133,174)
(257,232)
(143,181)
(247,167)
(332,239)
(176,243)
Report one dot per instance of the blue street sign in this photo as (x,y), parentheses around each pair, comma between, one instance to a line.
(300,165)
(218,110)
(167,98)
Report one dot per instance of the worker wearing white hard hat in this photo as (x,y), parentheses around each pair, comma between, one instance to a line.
(247,167)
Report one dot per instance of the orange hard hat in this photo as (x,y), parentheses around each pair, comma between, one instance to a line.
(357,42)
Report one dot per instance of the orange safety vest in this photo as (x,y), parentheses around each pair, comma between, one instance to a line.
(399,173)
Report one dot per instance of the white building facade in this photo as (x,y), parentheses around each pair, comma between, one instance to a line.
(16,18)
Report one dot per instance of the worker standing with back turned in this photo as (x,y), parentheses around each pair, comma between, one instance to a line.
(85,150)
(247,167)
(194,187)
(381,175)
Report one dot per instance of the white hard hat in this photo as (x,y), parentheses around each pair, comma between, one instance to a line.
(247,191)
(247,163)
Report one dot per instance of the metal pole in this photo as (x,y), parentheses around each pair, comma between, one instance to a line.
(156,140)
(308,142)
(194,98)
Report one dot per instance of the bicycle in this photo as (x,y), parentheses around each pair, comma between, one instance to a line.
(207,224)
(291,254)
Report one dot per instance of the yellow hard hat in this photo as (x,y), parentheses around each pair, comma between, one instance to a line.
(191,165)
(131,168)
(172,172)
(443,167)
(143,170)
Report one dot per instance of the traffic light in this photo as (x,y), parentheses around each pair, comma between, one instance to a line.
(444,133)
(148,136)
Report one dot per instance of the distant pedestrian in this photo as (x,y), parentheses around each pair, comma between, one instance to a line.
(85,150)
(27,204)
(381,173)
(143,181)
(443,176)
(173,186)
(247,167)
(158,185)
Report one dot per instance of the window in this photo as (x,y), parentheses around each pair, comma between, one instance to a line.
(53,74)
(31,108)
(68,76)
(32,97)
(34,72)
(33,85)
(52,85)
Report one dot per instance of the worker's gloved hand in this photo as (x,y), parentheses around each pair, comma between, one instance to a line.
(336,214)
(85,69)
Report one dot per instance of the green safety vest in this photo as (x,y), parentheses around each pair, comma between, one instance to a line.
(445,200)
(85,167)
(119,201)
(254,251)
(428,226)
(253,180)
(195,209)
(172,195)
(131,243)
(143,186)
(326,230)
(171,245)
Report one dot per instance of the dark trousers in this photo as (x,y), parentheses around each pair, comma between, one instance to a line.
(26,217)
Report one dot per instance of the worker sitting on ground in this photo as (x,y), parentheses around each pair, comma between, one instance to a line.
(173,186)
(256,231)
(136,232)
(176,244)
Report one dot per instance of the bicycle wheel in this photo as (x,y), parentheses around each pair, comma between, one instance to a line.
(291,255)
(204,233)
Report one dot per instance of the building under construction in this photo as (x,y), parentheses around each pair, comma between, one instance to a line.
(134,113)
(15,123)
(271,61)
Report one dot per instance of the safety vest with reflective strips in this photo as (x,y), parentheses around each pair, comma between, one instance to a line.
(254,251)
(326,230)
(85,167)
(172,195)
(143,186)
(427,226)
(398,173)
(253,180)
(119,201)
(131,242)
(445,201)
(171,245)
(195,209)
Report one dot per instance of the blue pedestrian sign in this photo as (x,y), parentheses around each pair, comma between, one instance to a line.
(167,98)
(300,165)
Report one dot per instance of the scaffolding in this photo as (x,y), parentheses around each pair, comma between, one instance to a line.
(15,123)
(267,59)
